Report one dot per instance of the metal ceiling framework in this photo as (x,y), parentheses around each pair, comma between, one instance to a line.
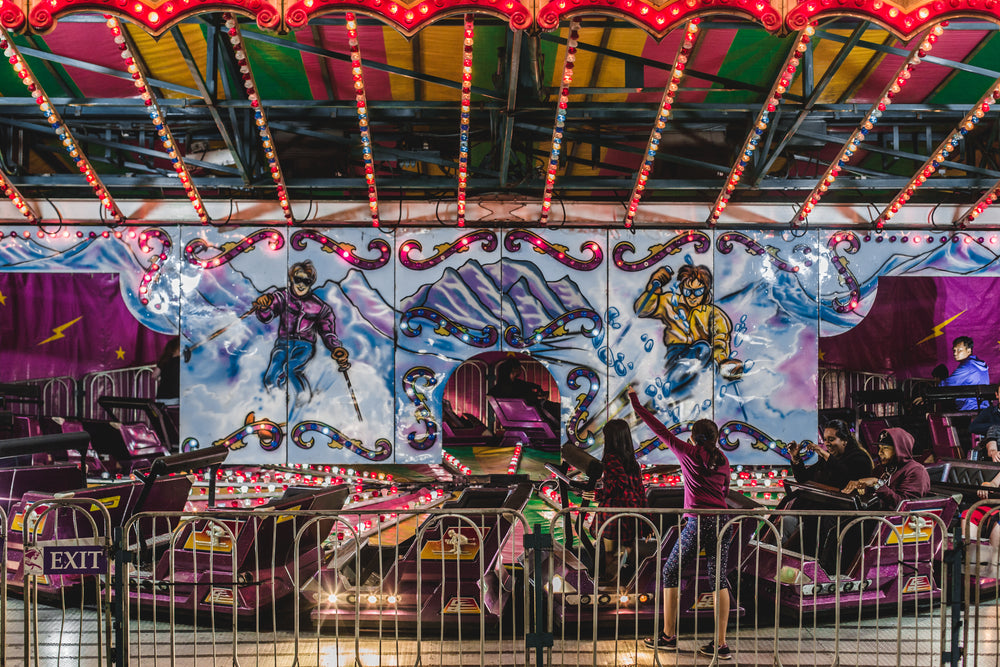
(763,143)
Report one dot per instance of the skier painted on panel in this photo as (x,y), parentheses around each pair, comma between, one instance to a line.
(302,316)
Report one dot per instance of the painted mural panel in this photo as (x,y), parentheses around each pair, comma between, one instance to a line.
(347,417)
(138,262)
(554,308)
(660,295)
(854,261)
(93,307)
(765,284)
(239,369)
(597,310)
(448,305)
(894,303)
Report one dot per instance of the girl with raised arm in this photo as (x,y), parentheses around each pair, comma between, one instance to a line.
(706,485)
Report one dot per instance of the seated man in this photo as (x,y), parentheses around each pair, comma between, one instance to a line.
(510,384)
(897,477)
(971,370)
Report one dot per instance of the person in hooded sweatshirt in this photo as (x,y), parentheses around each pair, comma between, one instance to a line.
(897,477)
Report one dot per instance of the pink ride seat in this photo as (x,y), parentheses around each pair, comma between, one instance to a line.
(523,422)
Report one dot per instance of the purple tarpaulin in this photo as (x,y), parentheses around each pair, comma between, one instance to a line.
(68,324)
(898,334)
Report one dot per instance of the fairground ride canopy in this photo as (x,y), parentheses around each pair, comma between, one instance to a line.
(830,113)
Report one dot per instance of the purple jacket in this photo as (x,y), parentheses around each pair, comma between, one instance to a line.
(909,479)
(301,318)
(704,488)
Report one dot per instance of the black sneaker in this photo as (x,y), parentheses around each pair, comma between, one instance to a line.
(662,641)
(709,650)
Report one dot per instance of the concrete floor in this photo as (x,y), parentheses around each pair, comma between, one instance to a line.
(70,637)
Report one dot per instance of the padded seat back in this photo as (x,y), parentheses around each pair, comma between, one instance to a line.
(944,437)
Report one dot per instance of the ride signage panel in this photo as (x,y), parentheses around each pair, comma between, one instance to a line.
(66,560)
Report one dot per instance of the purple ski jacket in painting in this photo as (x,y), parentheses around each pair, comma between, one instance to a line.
(301,318)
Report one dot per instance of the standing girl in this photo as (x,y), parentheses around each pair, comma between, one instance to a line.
(621,487)
(706,485)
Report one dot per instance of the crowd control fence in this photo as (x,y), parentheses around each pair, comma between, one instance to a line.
(417,584)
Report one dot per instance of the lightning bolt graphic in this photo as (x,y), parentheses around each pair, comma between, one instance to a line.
(57,332)
(939,328)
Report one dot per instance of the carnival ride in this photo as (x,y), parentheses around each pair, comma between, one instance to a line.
(862,558)
(85,514)
(455,568)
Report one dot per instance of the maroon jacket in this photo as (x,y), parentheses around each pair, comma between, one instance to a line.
(301,317)
(908,479)
(704,487)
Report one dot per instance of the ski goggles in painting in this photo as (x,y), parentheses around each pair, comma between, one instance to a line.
(687,291)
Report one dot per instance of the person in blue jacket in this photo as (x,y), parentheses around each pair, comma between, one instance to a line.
(971,370)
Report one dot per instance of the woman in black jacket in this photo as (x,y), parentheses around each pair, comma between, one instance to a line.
(841,458)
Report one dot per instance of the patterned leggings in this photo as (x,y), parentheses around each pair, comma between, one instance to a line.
(687,546)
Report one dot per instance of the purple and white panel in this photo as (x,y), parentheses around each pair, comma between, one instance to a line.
(553,288)
(236,375)
(448,311)
(765,340)
(892,304)
(660,292)
(346,417)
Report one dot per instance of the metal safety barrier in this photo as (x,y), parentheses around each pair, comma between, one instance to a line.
(57,556)
(399,580)
(980,564)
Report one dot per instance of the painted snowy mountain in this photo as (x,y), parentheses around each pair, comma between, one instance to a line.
(501,294)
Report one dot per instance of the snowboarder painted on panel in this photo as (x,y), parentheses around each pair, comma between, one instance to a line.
(696,331)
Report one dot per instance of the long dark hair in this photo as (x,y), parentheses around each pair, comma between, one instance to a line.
(618,445)
(705,434)
(843,432)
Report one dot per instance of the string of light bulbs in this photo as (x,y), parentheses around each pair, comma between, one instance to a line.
(663,115)
(941,153)
(55,121)
(858,137)
(361,103)
(463,125)
(156,117)
(557,131)
(783,82)
(260,118)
